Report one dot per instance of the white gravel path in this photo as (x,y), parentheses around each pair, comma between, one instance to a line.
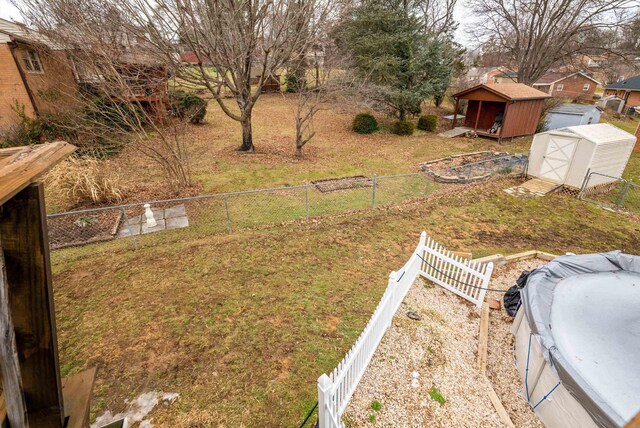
(438,354)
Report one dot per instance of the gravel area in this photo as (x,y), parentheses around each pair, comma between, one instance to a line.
(501,369)
(420,364)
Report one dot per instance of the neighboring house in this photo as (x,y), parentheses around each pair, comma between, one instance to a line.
(567,85)
(482,75)
(506,76)
(571,114)
(627,90)
(35,75)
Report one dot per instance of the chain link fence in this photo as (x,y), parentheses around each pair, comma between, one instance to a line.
(611,193)
(220,213)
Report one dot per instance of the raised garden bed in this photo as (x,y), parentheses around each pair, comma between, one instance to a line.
(474,167)
(343,183)
(84,228)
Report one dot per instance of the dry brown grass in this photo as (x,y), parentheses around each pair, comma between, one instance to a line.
(80,181)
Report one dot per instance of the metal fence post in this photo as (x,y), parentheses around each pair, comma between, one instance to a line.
(624,194)
(226,208)
(469,173)
(306,199)
(584,183)
(126,220)
(373,193)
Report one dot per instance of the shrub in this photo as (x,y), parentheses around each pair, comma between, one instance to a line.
(36,130)
(365,123)
(113,115)
(84,180)
(293,83)
(428,123)
(403,127)
(186,105)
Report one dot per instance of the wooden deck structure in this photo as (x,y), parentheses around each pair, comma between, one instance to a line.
(32,389)
(519,106)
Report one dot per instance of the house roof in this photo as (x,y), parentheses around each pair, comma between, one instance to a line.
(573,109)
(553,77)
(191,58)
(631,84)
(10,31)
(509,91)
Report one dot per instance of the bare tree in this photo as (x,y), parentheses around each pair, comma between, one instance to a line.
(332,82)
(239,45)
(122,93)
(536,34)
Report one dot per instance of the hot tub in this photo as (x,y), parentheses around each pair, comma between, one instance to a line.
(578,334)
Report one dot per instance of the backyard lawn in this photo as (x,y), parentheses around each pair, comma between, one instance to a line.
(242,324)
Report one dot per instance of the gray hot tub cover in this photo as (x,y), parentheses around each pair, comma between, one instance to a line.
(537,298)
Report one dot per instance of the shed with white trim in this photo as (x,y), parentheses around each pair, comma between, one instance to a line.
(565,156)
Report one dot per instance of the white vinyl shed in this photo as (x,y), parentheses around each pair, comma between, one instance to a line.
(566,155)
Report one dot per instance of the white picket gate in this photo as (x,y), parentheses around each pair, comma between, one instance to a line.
(467,279)
(463,277)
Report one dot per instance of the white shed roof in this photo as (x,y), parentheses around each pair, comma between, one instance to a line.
(600,133)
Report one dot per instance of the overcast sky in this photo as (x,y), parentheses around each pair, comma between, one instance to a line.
(7,11)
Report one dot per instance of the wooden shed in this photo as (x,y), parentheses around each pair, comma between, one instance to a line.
(33,392)
(501,110)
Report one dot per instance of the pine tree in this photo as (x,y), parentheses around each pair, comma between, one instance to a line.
(389,48)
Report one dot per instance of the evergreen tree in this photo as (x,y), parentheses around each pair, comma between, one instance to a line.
(389,48)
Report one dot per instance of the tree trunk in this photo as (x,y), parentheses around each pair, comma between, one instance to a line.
(402,114)
(247,136)
(298,151)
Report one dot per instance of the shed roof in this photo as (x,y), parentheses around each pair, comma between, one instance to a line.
(509,91)
(599,133)
(631,84)
(573,109)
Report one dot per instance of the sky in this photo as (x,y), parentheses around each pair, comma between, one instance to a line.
(7,11)
(462,15)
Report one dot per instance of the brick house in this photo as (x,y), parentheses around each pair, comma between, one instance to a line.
(627,90)
(35,75)
(567,85)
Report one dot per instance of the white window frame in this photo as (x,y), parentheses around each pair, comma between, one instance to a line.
(585,87)
(559,87)
(32,62)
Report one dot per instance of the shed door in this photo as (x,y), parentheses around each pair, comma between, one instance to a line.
(557,158)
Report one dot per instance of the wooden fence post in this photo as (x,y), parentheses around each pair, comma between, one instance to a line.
(324,400)
(23,227)
(9,365)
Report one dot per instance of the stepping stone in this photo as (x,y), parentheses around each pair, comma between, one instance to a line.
(158,227)
(177,211)
(177,222)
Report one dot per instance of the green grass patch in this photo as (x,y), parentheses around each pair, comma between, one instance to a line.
(435,395)
(376,406)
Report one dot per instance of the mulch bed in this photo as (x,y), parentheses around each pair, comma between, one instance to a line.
(343,183)
(80,229)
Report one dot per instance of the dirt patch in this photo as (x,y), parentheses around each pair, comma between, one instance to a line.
(333,184)
(83,228)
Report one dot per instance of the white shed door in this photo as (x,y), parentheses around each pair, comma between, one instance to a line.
(557,159)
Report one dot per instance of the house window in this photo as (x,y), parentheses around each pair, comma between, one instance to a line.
(586,86)
(560,87)
(32,61)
